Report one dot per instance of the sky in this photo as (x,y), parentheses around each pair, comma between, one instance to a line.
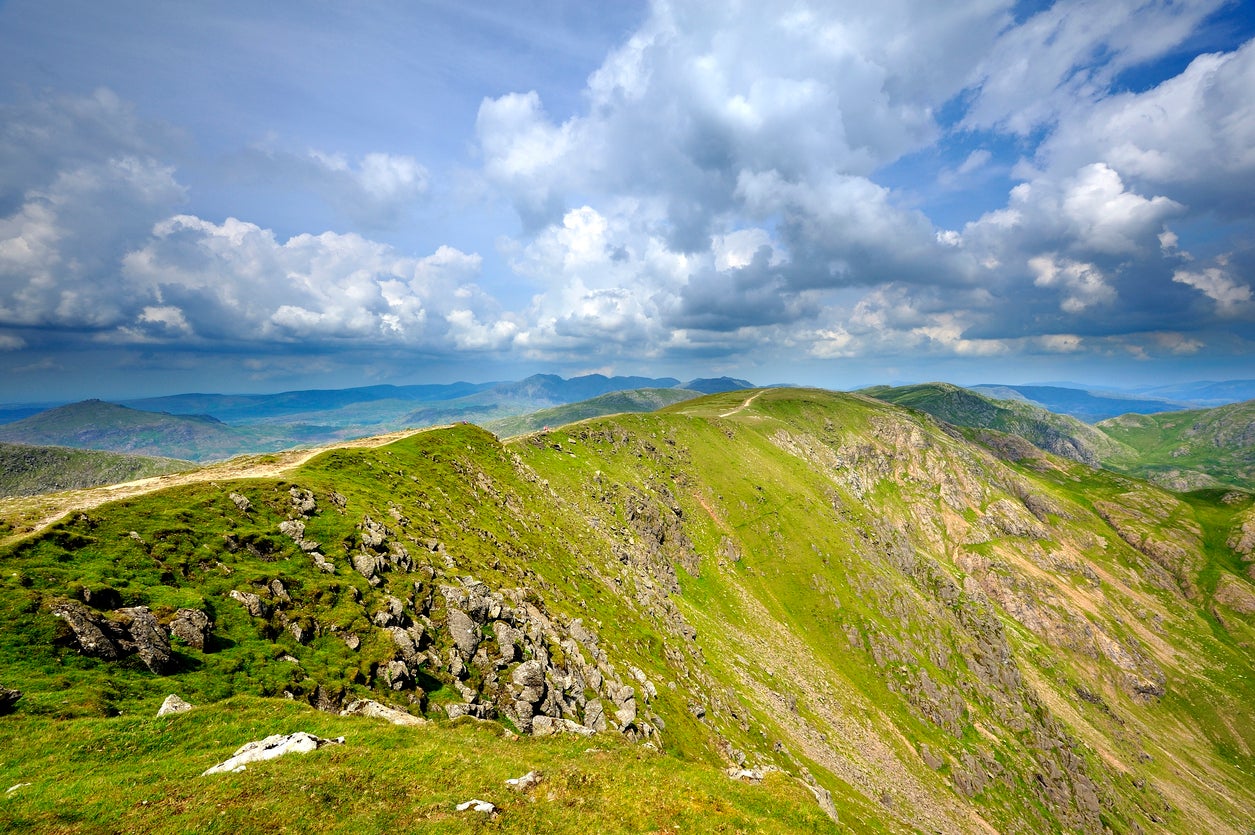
(241,196)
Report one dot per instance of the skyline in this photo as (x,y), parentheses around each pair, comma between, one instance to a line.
(227,198)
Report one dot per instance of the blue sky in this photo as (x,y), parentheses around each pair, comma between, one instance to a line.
(253,197)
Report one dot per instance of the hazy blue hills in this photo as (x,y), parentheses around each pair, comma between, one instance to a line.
(94,424)
(717,385)
(1088,406)
(1205,393)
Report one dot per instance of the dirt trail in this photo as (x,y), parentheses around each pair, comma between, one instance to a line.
(28,514)
(743,406)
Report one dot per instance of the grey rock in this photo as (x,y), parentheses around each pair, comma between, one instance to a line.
(241,502)
(255,606)
(322,563)
(477,806)
(270,748)
(147,639)
(525,782)
(279,591)
(303,501)
(375,710)
(626,714)
(87,628)
(507,640)
(8,698)
(457,709)
(465,633)
(595,715)
(191,626)
(529,678)
(173,704)
(397,675)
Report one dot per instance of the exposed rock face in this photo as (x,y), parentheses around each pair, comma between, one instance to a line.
(191,626)
(173,704)
(86,626)
(270,748)
(146,638)
(131,631)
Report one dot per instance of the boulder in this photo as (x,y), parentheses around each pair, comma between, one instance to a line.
(477,806)
(270,748)
(465,633)
(241,502)
(303,501)
(8,698)
(147,639)
(88,628)
(375,710)
(256,607)
(529,678)
(173,704)
(190,626)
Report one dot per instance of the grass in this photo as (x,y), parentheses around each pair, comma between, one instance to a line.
(141,774)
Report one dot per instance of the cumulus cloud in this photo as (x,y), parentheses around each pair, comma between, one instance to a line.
(237,282)
(1232,297)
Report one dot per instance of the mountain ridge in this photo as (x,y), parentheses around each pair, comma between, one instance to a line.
(937,638)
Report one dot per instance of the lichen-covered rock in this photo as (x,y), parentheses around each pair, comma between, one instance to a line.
(465,633)
(191,626)
(87,627)
(147,639)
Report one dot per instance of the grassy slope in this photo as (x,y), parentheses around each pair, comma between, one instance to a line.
(871,599)
(635,400)
(1189,449)
(1060,434)
(30,470)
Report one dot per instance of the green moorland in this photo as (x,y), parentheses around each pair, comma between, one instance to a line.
(872,611)
(1191,449)
(30,470)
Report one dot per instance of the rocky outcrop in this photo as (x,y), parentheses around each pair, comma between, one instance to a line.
(270,748)
(124,632)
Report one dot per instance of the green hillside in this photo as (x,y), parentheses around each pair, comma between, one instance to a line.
(886,623)
(635,400)
(1191,449)
(30,470)
(1059,434)
(94,424)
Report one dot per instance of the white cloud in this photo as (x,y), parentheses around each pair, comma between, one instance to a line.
(1231,296)
(1081,285)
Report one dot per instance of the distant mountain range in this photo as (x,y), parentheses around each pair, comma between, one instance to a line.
(208,427)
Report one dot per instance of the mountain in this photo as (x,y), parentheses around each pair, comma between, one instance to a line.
(715,385)
(94,424)
(1191,449)
(634,400)
(1205,393)
(1061,434)
(245,408)
(29,470)
(1085,405)
(894,629)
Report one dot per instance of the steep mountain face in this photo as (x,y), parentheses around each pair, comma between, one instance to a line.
(1189,450)
(1059,434)
(928,636)
(28,470)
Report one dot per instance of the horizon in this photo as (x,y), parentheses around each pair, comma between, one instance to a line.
(265,199)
